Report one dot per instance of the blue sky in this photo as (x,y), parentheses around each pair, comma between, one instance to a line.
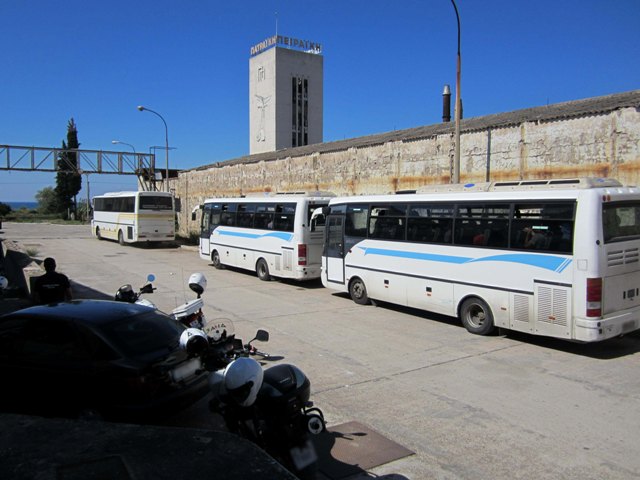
(385,65)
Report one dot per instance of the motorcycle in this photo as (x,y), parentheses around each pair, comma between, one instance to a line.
(190,314)
(126,293)
(269,407)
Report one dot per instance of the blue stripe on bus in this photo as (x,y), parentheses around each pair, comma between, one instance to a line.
(548,262)
(287,237)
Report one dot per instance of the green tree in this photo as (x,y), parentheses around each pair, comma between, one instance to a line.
(47,201)
(4,209)
(68,178)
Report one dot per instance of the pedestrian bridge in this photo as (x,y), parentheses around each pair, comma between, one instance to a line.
(44,159)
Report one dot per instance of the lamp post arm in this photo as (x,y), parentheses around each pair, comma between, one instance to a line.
(166,141)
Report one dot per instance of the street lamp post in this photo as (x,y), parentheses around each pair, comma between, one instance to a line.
(136,160)
(166,141)
(455,178)
(115,142)
(135,155)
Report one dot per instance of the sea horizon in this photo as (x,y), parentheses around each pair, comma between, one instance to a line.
(19,205)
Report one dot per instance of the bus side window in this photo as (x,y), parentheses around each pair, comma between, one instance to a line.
(215,217)
(356,221)
(245,215)
(228,215)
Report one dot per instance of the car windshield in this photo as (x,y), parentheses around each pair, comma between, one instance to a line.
(142,334)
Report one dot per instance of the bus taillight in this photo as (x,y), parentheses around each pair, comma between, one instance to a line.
(302,254)
(594,297)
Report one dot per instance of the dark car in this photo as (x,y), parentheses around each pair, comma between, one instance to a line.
(94,357)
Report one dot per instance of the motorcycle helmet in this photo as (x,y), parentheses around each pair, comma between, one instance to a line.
(4,283)
(197,283)
(126,294)
(242,380)
(193,341)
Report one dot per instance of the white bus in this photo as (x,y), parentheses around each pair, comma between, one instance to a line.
(559,258)
(271,235)
(130,217)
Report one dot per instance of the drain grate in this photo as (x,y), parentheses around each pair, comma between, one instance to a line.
(350,448)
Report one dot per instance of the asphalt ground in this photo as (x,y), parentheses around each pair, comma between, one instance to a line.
(501,407)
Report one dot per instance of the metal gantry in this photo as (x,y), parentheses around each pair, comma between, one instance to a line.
(44,159)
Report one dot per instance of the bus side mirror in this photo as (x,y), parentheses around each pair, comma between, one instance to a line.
(193,212)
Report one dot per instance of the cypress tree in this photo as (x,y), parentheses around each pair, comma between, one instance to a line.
(68,178)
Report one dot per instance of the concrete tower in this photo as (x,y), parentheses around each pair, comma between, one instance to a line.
(285,94)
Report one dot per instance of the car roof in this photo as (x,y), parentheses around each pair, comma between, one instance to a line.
(87,311)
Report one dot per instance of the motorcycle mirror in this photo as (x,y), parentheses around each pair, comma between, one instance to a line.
(261,336)
(148,288)
(151,277)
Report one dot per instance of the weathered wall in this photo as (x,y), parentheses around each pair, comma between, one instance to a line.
(602,144)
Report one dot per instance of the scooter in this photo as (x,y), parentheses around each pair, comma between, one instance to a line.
(190,314)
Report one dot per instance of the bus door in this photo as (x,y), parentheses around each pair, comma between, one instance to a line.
(210,220)
(334,248)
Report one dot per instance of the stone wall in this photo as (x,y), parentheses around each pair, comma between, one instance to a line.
(503,147)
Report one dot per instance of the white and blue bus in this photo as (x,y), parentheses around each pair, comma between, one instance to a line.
(131,217)
(271,235)
(559,258)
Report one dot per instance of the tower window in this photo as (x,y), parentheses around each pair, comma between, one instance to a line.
(299,111)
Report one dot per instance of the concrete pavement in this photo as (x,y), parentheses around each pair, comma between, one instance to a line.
(470,407)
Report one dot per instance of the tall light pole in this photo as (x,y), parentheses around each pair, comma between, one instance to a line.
(166,141)
(115,142)
(135,158)
(455,178)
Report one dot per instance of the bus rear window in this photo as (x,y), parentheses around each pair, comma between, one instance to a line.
(620,221)
(147,202)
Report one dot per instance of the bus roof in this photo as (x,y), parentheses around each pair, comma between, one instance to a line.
(517,185)
(500,191)
(316,193)
(274,197)
(133,194)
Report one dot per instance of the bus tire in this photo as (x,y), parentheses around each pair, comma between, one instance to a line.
(476,316)
(358,291)
(262,270)
(120,237)
(98,235)
(215,260)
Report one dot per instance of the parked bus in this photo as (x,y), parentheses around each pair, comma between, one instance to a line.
(271,235)
(559,258)
(130,217)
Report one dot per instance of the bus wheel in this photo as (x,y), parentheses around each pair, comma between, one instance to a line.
(358,292)
(120,238)
(476,316)
(262,269)
(215,259)
(98,233)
